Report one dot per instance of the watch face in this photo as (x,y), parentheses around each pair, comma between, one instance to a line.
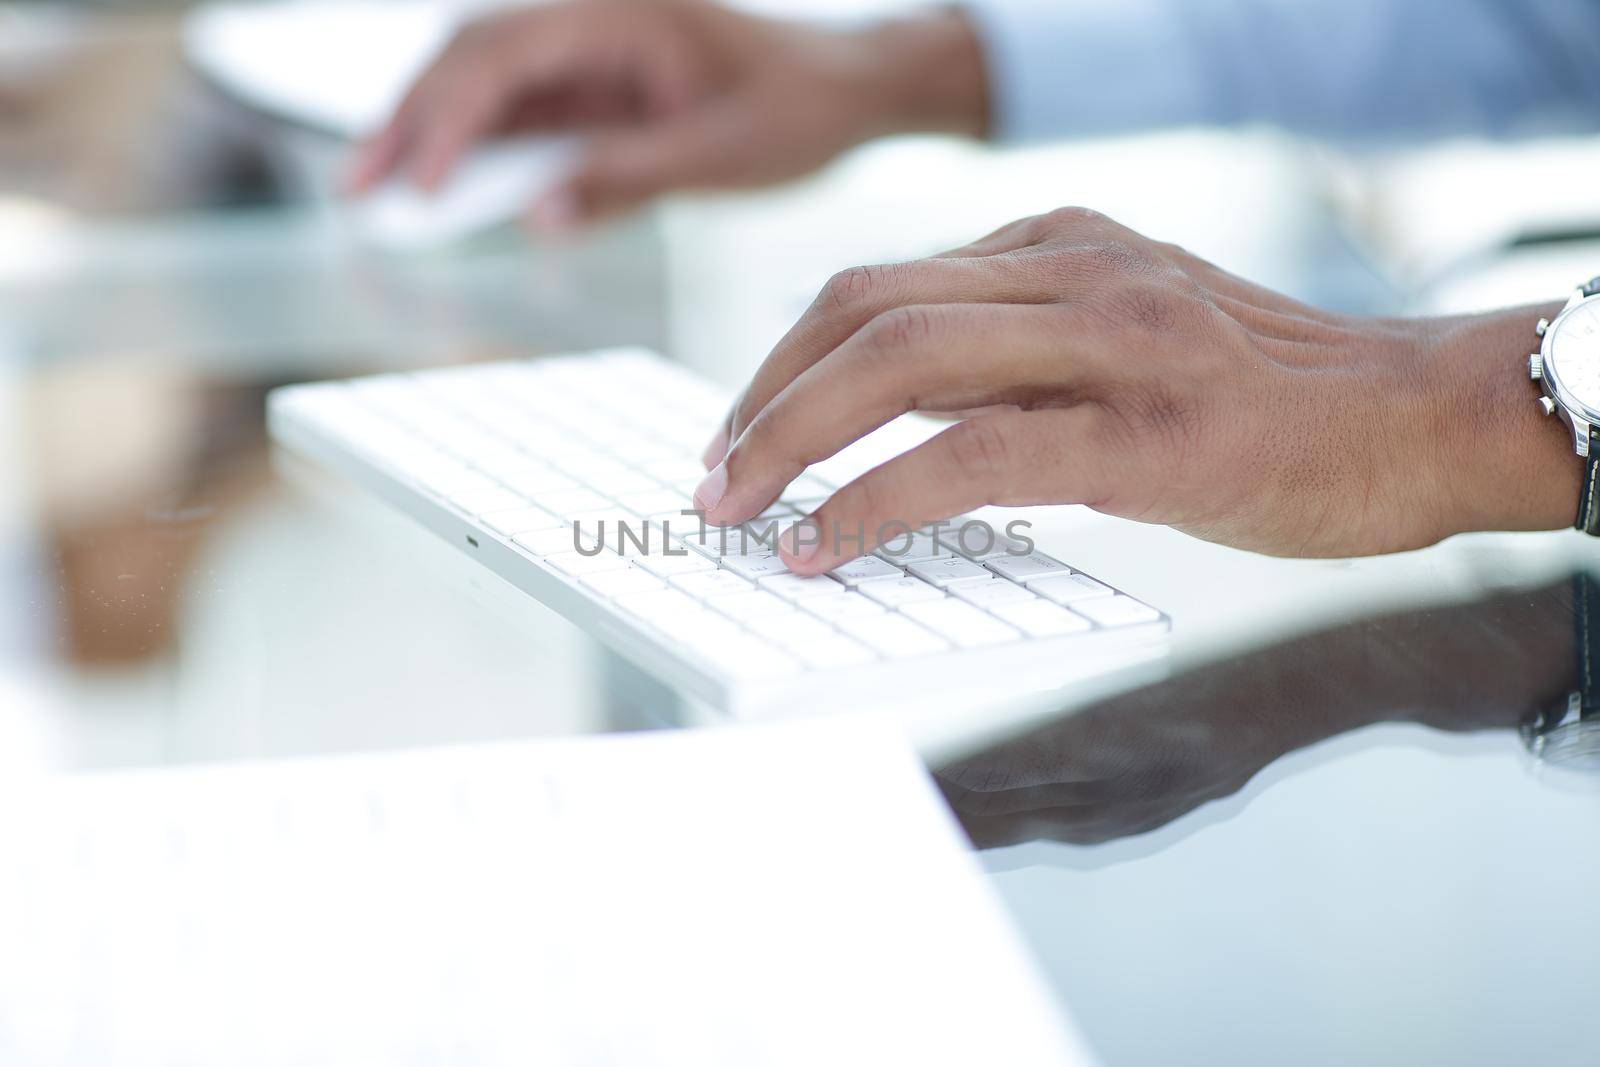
(1574,359)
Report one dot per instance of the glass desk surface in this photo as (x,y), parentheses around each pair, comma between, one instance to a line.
(1320,841)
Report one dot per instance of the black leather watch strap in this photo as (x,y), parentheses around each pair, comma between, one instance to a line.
(1588,498)
(1586,632)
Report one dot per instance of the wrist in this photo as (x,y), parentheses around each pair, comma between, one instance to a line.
(923,74)
(1504,464)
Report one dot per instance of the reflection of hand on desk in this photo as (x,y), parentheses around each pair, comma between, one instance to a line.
(1138,761)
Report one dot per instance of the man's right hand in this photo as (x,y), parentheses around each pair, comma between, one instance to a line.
(676,94)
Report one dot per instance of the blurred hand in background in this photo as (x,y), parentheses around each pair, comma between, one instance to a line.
(676,94)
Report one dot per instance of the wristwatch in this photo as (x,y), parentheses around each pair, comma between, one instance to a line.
(1567,368)
(1568,732)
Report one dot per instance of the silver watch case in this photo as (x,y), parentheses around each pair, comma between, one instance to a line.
(1578,416)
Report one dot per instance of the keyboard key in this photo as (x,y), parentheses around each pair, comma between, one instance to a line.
(864,568)
(756,565)
(668,608)
(994,591)
(961,624)
(1068,588)
(947,571)
(493,456)
(521,520)
(705,584)
(894,636)
(536,478)
(761,535)
(836,608)
(569,502)
(893,592)
(711,629)
(676,527)
(714,542)
(637,450)
(590,464)
(1116,610)
(547,542)
(618,530)
(487,501)
(672,471)
(636,538)
(911,548)
(1038,618)
(614,479)
(1026,568)
(663,564)
(752,606)
(748,658)
(617,583)
(980,543)
(655,502)
(832,653)
(578,565)
(794,631)
(794,587)
(450,480)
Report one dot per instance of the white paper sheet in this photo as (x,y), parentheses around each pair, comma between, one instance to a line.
(747,896)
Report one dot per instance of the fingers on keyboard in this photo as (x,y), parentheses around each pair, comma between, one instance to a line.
(593,480)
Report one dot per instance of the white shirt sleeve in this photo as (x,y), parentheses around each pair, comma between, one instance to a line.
(1340,68)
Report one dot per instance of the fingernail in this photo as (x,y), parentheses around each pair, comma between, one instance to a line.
(800,549)
(558,211)
(708,494)
(716,450)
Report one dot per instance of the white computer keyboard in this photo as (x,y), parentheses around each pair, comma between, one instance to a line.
(527,464)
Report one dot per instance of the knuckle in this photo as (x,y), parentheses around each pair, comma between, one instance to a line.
(1164,416)
(898,329)
(1105,259)
(855,287)
(979,449)
(1149,308)
(1175,253)
(1076,219)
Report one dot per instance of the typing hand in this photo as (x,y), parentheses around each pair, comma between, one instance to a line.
(675,94)
(1131,376)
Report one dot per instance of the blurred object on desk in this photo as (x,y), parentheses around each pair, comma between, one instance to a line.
(1430,211)
(285,292)
(134,464)
(98,115)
